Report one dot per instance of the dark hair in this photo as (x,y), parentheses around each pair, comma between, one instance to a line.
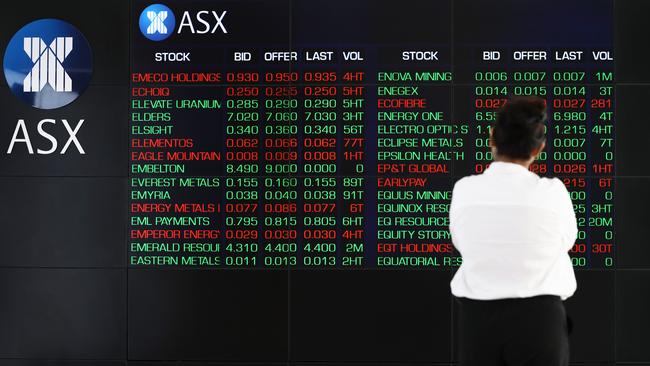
(519,127)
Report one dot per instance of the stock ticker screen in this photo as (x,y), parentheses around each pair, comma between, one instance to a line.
(336,143)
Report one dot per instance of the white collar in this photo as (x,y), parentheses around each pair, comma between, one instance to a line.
(506,167)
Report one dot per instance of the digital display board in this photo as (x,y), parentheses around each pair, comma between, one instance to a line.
(267,182)
(338,150)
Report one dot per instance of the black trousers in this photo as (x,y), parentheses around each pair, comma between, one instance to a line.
(532,331)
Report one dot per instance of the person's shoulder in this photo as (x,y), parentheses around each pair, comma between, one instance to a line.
(468,186)
(467,181)
(551,182)
(552,186)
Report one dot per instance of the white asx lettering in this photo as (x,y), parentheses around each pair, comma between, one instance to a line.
(186,21)
(21,128)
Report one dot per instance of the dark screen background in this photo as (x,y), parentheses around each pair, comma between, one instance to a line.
(67,296)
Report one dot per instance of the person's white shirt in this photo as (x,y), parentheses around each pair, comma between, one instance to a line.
(513,230)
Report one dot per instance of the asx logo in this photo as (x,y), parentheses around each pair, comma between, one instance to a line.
(157,22)
(47,64)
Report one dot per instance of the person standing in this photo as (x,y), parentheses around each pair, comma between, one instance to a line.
(513,230)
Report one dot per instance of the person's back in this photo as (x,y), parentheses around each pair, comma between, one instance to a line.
(520,229)
(513,230)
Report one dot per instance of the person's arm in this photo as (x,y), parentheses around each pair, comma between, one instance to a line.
(568,222)
(452,214)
